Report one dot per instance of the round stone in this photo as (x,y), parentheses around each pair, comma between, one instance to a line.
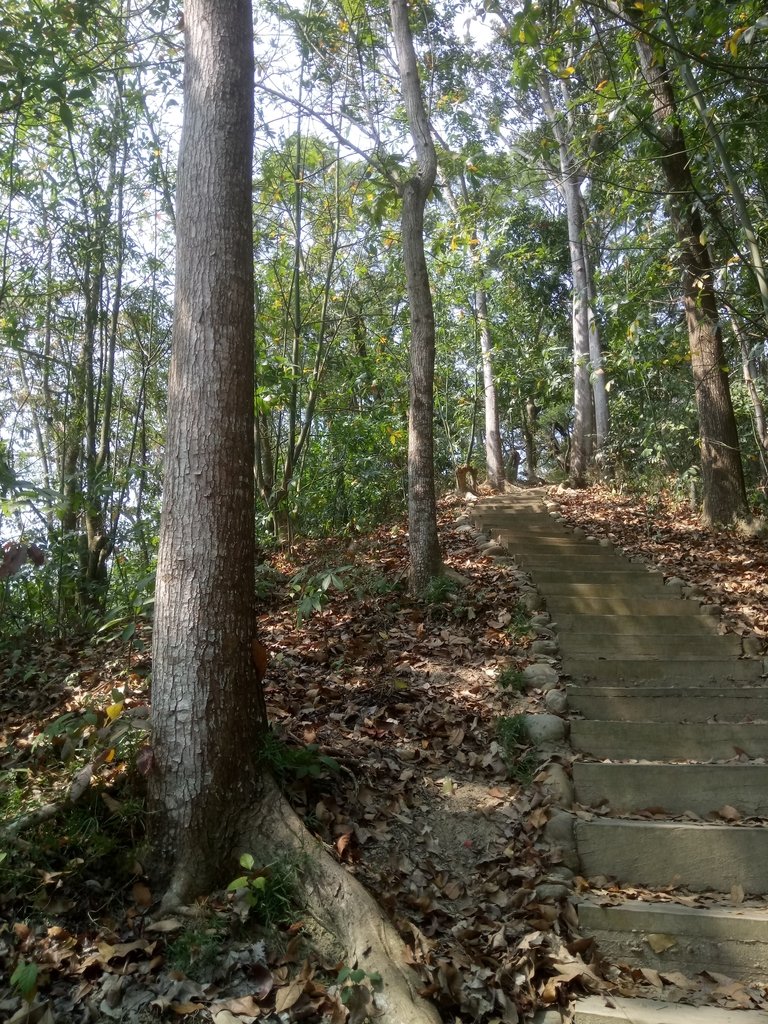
(553,891)
(530,601)
(556,783)
(544,647)
(545,728)
(556,701)
(558,831)
(540,677)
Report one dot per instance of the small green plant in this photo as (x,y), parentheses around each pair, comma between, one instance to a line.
(520,760)
(24,980)
(512,732)
(291,764)
(11,793)
(511,678)
(194,952)
(268,893)
(439,590)
(356,988)
(311,591)
(268,582)
(520,624)
(121,622)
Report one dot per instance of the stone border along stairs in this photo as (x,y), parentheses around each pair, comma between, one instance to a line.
(664,697)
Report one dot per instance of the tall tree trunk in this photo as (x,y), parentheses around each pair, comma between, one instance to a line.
(724,491)
(494,459)
(207,708)
(738,197)
(423,542)
(208,794)
(597,372)
(582,442)
(750,377)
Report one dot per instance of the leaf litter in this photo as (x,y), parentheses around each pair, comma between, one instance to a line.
(403,697)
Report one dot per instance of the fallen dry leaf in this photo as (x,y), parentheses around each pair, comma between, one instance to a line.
(660,943)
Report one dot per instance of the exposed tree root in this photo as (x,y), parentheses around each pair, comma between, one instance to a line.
(341,905)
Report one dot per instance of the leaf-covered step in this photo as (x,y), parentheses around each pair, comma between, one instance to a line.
(618,604)
(670,741)
(667,704)
(663,671)
(622,1010)
(697,856)
(674,788)
(666,646)
(667,937)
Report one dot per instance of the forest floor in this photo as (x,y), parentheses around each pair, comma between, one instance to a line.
(395,741)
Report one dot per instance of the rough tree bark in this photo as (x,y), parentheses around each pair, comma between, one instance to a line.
(423,541)
(210,798)
(206,711)
(723,487)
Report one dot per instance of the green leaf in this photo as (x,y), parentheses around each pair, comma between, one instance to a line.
(247,861)
(65,113)
(238,883)
(24,978)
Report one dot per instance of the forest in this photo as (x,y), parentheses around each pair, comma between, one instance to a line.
(292,282)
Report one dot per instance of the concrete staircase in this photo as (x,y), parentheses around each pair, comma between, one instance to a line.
(669,748)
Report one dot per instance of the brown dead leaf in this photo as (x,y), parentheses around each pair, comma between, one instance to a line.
(37,1013)
(737,894)
(679,980)
(288,996)
(660,943)
(168,924)
(141,894)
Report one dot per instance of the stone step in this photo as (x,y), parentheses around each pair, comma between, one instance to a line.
(668,646)
(520,521)
(637,625)
(713,672)
(628,575)
(578,565)
(643,585)
(730,941)
(670,741)
(660,704)
(673,788)
(558,546)
(669,604)
(620,1010)
(657,854)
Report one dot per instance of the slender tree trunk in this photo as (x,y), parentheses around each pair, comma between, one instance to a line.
(422,505)
(597,372)
(494,459)
(207,708)
(724,491)
(750,376)
(582,442)
(738,197)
